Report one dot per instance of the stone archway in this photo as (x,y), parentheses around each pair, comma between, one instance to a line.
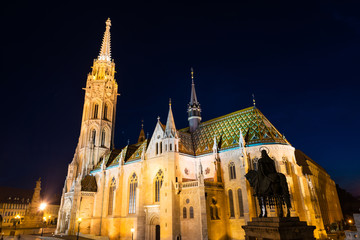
(155,228)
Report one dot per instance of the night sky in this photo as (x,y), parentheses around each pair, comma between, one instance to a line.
(301,61)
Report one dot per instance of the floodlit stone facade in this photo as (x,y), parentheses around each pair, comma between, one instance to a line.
(180,184)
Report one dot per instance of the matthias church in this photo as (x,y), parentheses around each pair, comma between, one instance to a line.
(180,183)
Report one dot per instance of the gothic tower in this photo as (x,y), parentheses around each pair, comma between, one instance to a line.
(194,110)
(98,119)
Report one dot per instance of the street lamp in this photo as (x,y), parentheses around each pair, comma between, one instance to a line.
(17,219)
(132,233)
(79,221)
(42,208)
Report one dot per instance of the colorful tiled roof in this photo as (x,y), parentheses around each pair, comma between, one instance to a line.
(129,153)
(186,143)
(138,152)
(254,125)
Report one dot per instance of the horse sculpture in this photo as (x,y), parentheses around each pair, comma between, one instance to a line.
(270,186)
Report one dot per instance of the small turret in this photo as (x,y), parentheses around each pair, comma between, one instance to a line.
(170,129)
(194,110)
(142,134)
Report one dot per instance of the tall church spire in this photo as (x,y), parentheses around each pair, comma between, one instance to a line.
(105,51)
(170,129)
(194,110)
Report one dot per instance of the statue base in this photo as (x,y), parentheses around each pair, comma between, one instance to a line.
(271,228)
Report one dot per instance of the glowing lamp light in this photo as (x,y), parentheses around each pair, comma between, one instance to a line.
(17,216)
(44,218)
(42,206)
(350,221)
(132,230)
(79,220)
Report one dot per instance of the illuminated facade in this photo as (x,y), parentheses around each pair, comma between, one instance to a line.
(179,184)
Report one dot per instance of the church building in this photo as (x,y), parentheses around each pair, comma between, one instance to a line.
(184,183)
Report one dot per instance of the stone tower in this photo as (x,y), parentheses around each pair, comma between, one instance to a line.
(33,217)
(98,119)
(194,110)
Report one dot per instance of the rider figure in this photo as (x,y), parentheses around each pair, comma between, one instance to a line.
(266,166)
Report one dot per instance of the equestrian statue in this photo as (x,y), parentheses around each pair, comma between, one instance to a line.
(270,187)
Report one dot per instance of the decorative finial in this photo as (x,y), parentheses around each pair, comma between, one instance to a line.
(147,135)
(158,118)
(105,51)
(253,96)
(142,124)
(128,142)
(192,75)
(169,101)
(108,22)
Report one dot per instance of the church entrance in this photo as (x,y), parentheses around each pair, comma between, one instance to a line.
(157,232)
(152,227)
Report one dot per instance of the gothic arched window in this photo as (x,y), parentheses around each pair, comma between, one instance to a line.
(105,112)
(96,111)
(93,136)
(231,203)
(255,164)
(132,193)
(111,196)
(241,204)
(232,172)
(160,147)
(103,135)
(157,148)
(191,210)
(159,178)
(184,212)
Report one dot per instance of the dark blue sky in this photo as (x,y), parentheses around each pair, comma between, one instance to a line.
(301,60)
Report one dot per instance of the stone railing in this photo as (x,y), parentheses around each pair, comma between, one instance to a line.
(190,184)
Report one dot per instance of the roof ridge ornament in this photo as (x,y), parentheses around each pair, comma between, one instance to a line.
(253,98)
(105,51)
(192,75)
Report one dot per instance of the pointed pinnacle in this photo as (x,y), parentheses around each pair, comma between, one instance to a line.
(105,51)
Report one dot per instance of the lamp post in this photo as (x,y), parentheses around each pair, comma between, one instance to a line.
(17,219)
(79,221)
(42,208)
(132,233)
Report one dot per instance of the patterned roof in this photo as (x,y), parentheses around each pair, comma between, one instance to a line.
(129,153)
(254,125)
(185,143)
(138,152)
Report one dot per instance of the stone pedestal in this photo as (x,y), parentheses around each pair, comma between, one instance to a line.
(272,228)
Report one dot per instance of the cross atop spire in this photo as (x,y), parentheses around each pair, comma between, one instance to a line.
(105,52)
(192,75)
(193,98)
